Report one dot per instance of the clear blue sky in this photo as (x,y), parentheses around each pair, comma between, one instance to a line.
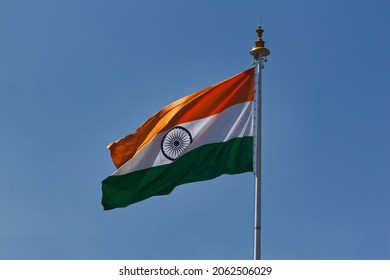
(77,75)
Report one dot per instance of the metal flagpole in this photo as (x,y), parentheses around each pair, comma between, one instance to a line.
(259,52)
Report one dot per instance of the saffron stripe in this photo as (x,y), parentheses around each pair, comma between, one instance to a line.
(201,104)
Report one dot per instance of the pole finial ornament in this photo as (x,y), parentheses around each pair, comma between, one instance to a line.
(259,50)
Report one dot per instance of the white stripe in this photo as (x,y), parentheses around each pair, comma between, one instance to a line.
(236,121)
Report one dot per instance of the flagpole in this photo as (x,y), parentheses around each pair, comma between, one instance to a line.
(259,52)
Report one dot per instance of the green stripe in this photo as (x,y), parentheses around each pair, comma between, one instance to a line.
(204,163)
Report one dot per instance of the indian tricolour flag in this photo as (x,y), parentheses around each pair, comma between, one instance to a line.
(198,137)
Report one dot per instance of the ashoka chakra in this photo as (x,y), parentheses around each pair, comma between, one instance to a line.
(175,142)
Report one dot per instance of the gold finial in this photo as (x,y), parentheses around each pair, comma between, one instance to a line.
(259,50)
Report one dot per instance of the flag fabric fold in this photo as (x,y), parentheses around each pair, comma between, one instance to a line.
(198,137)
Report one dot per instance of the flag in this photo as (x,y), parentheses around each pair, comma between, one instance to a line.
(198,137)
